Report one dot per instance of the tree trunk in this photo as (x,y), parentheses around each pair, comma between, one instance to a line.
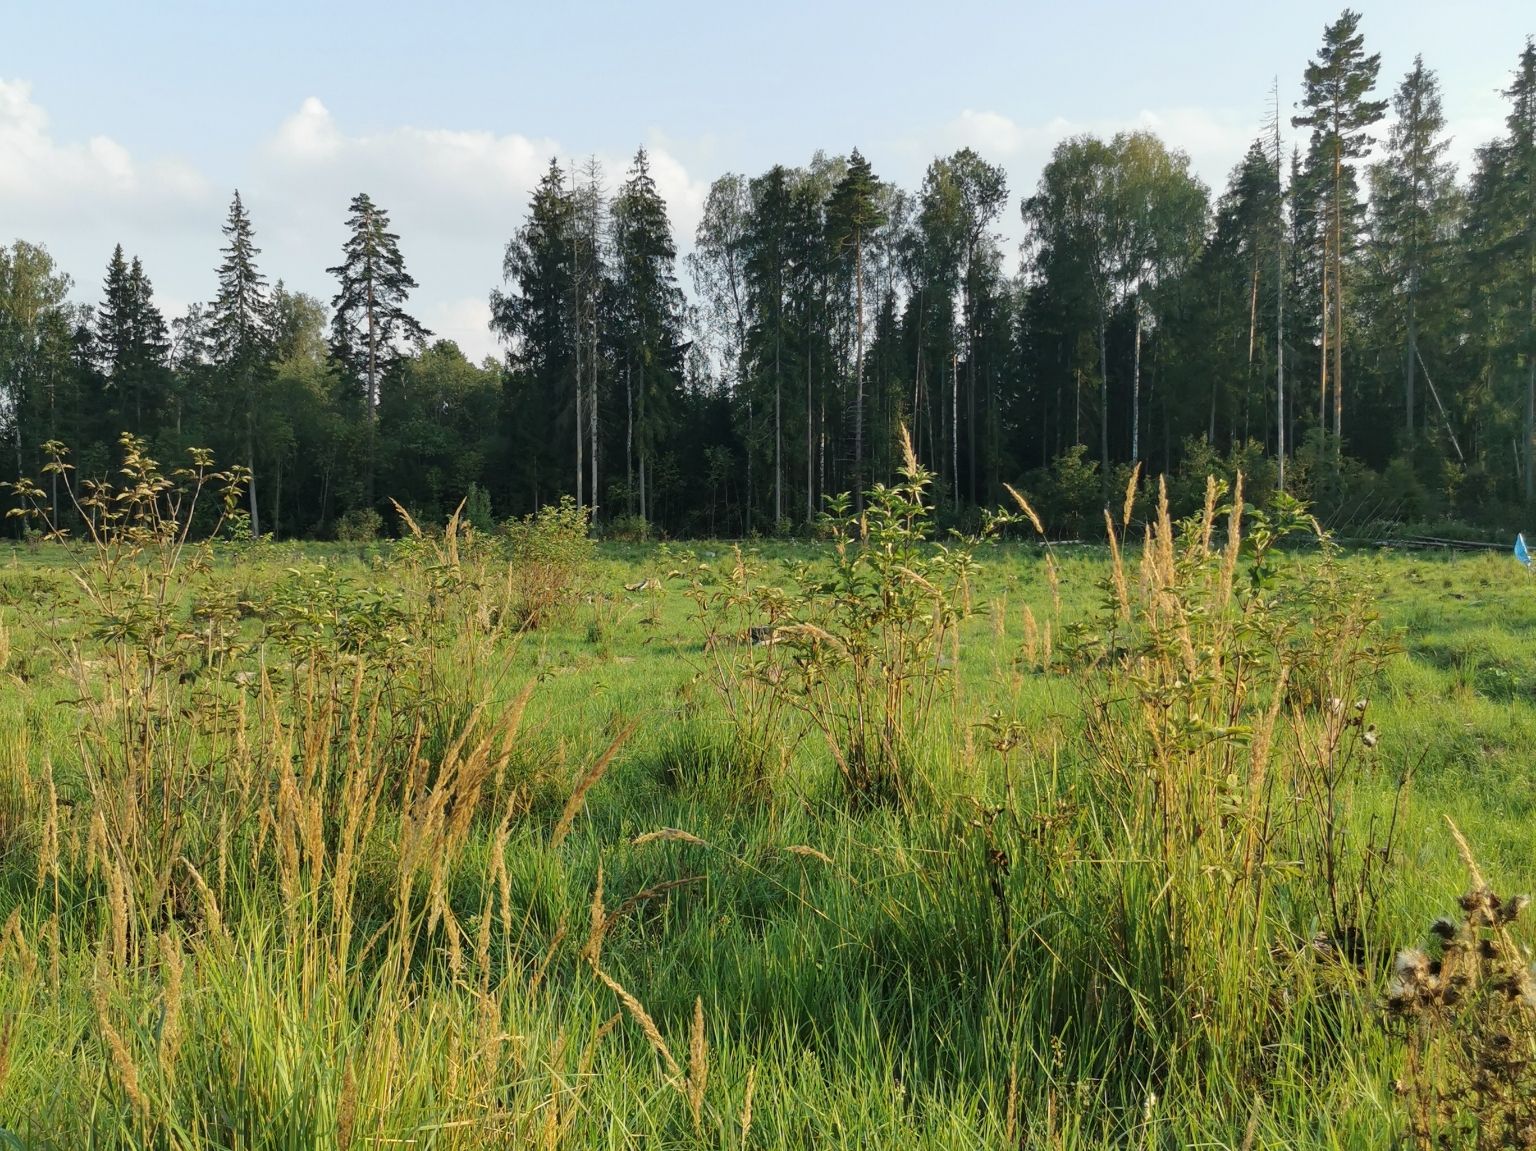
(970,374)
(1136,390)
(858,371)
(1103,396)
(954,426)
(250,463)
(581,470)
(1322,400)
(778,422)
(1338,298)
(372,399)
(629,439)
(645,511)
(592,410)
(810,445)
(1280,348)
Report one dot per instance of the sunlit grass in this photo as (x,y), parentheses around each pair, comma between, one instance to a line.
(452,983)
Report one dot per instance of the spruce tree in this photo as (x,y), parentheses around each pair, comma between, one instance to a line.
(1520,182)
(1414,209)
(114,330)
(369,319)
(242,334)
(647,306)
(535,320)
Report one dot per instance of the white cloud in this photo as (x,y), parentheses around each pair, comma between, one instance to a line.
(466,322)
(454,196)
(1214,139)
(48,185)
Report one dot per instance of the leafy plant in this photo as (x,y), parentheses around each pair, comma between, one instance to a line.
(140,559)
(359,526)
(550,552)
(875,640)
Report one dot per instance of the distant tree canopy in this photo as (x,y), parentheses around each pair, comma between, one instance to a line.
(1347,318)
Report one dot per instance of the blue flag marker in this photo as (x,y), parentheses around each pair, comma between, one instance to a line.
(1522,553)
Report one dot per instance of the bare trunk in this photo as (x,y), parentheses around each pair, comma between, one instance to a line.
(645,511)
(778,429)
(592,411)
(629,440)
(858,371)
(1338,299)
(970,379)
(954,426)
(1322,400)
(373,396)
(1280,356)
(1136,390)
(1103,396)
(810,446)
(250,463)
(1279,299)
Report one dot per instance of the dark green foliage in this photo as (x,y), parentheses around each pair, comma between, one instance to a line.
(1353,298)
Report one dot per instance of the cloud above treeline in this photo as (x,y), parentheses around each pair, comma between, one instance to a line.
(454,196)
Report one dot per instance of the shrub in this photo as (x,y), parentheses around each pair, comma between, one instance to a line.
(875,641)
(477,509)
(549,551)
(359,526)
(631,529)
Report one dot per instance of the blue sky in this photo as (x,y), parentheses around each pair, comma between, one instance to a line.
(133,122)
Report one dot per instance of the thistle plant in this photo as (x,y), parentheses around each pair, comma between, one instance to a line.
(1464,1007)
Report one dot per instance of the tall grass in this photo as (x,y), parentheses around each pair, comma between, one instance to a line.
(1088,851)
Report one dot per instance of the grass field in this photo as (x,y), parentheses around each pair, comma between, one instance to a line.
(317,847)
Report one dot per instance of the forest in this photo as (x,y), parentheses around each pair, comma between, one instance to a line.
(1350,319)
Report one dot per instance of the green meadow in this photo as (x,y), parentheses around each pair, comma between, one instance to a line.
(468,841)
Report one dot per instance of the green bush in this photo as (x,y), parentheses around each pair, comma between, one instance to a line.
(549,552)
(477,509)
(359,526)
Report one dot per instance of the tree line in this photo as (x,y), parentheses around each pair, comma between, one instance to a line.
(1349,319)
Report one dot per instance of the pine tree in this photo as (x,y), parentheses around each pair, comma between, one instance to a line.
(369,320)
(982,190)
(852,213)
(242,333)
(767,273)
(1337,83)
